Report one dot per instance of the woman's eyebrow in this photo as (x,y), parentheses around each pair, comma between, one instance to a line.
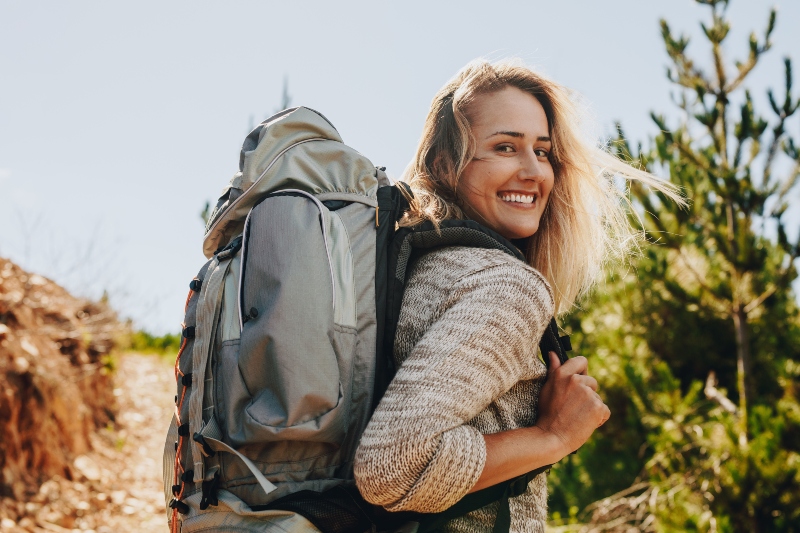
(519,135)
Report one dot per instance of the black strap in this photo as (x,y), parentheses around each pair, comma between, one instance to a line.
(406,245)
(391,206)
(472,502)
(552,342)
(209,495)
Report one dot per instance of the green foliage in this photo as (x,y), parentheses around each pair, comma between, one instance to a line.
(697,348)
(719,257)
(143,342)
(666,437)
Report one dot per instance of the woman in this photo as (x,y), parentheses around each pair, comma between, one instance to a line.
(470,406)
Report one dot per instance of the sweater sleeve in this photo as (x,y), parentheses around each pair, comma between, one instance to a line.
(417,452)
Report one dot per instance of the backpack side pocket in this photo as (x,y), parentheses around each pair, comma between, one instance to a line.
(291,353)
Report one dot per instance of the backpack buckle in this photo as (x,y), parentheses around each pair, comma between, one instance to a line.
(209,496)
(230,250)
(179,505)
(204,447)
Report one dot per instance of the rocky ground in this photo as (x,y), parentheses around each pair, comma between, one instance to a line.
(118,485)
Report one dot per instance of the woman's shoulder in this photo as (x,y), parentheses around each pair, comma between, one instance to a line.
(461,261)
(465,266)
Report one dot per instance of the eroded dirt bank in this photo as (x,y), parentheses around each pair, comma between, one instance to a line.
(81,429)
(117,486)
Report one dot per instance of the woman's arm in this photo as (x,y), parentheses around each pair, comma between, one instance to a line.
(418,451)
(569,412)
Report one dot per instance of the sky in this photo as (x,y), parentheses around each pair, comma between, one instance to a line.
(119,120)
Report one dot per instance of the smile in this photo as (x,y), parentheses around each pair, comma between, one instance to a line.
(517,198)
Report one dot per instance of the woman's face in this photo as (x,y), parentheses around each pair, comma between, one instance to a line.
(508,181)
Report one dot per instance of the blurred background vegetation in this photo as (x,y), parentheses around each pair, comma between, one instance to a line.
(696,343)
(143,342)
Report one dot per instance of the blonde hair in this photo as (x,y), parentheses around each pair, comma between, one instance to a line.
(586,220)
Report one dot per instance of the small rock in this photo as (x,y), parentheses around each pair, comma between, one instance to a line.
(36,279)
(29,347)
(21,365)
(7,523)
(118,497)
(87,467)
(135,417)
(49,490)
(133,502)
(68,521)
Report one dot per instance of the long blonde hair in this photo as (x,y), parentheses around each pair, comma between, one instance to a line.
(586,220)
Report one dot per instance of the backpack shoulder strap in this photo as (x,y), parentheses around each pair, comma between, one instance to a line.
(407,244)
(411,242)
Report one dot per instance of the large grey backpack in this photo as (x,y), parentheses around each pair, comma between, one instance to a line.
(288,336)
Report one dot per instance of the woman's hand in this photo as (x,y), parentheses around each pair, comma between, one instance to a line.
(569,412)
(569,406)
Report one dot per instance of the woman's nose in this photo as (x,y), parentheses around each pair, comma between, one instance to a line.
(531,168)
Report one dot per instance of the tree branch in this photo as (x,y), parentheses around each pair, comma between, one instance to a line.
(760,300)
(713,393)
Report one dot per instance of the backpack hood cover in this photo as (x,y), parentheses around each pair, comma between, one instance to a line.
(295,149)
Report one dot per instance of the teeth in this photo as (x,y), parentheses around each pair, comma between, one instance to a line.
(518,198)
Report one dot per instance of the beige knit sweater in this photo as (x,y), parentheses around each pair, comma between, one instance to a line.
(467,352)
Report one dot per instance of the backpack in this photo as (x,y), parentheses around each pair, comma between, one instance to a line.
(288,336)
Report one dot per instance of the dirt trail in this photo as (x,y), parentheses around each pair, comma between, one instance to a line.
(119,487)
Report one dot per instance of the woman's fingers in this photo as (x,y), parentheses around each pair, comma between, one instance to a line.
(589,381)
(606,416)
(576,365)
(569,405)
(555,362)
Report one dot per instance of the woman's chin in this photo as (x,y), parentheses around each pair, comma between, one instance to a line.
(518,232)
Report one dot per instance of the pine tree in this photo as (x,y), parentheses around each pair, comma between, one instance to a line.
(706,313)
(738,168)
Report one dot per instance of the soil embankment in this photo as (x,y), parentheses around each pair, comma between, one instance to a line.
(55,369)
(82,431)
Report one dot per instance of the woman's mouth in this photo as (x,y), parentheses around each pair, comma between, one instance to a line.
(514,198)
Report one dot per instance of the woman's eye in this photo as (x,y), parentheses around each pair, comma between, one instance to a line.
(504,148)
(541,152)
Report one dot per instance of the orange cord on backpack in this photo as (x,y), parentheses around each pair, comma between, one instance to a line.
(179,470)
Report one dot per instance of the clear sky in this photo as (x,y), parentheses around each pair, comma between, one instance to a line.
(119,120)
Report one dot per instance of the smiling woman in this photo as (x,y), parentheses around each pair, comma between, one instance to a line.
(472,405)
(508,182)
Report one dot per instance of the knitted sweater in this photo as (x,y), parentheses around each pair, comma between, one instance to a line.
(466,348)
